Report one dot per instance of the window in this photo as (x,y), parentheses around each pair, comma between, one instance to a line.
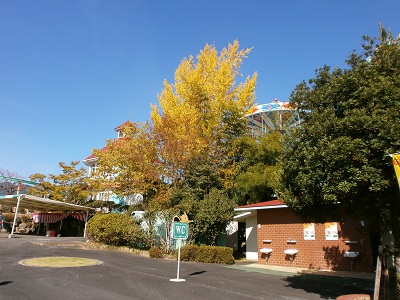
(93,168)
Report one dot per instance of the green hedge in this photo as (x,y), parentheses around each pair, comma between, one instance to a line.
(9,217)
(207,254)
(115,230)
(155,253)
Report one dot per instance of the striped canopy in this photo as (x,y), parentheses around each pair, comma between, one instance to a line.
(40,204)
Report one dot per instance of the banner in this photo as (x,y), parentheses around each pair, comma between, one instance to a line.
(331,231)
(396,165)
(309,231)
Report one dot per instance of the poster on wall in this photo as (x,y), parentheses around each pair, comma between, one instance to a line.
(331,231)
(309,231)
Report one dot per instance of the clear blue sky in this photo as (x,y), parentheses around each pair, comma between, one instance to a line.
(71,71)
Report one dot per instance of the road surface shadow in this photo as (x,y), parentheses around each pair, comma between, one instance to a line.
(330,287)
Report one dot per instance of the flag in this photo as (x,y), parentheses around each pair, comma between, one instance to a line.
(396,165)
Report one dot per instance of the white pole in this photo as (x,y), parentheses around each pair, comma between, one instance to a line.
(86,217)
(177,279)
(179,258)
(16,211)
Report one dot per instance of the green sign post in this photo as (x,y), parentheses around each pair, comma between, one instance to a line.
(180,231)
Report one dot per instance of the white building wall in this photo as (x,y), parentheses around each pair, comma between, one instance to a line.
(251,238)
(232,236)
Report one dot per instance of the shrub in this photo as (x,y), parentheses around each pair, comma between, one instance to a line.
(155,253)
(9,217)
(224,255)
(115,229)
(207,254)
(189,252)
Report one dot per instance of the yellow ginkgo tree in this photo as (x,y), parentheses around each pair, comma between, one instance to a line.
(198,110)
(195,120)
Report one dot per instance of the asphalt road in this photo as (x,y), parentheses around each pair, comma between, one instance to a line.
(130,276)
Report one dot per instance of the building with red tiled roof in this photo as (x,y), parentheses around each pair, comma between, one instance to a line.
(92,162)
(120,127)
(275,235)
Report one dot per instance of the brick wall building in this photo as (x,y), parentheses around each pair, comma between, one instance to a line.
(319,246)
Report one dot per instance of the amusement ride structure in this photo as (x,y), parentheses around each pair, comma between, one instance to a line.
(273,116)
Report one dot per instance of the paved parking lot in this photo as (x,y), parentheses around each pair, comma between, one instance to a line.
(129,276)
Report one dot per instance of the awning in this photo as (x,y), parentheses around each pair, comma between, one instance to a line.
(41,204)
(55,217)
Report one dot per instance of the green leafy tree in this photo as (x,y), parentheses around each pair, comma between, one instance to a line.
(338,160)
(211,216)
(69,186)
(202,174)
(116,230)
(258,167)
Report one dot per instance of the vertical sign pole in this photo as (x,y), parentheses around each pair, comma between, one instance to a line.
(177,279)
(16,210)
(179,258)
(179,231)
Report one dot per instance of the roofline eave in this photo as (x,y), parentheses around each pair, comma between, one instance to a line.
(89,161)
(259,207)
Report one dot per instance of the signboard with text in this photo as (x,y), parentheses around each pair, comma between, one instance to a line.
(180,230)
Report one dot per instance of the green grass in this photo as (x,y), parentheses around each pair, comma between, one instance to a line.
(60,262)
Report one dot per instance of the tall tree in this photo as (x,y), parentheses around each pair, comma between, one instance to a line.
(258,167)
(190,137)
(213,214)
(68,186)
(129,165)
(203,108)
(339,157)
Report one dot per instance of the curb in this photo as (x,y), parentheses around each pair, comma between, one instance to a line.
(354,297)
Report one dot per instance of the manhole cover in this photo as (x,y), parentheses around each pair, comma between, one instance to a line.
(60,262)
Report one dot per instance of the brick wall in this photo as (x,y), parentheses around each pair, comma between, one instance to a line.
(280,225)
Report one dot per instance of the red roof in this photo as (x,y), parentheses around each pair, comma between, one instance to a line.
(93,156)
(105,148)
(265,203)
(118,128)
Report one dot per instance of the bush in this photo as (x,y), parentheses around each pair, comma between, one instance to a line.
(9,217)
(207,254)
(115,230)
(155,253)
(224,255)
(189,252)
